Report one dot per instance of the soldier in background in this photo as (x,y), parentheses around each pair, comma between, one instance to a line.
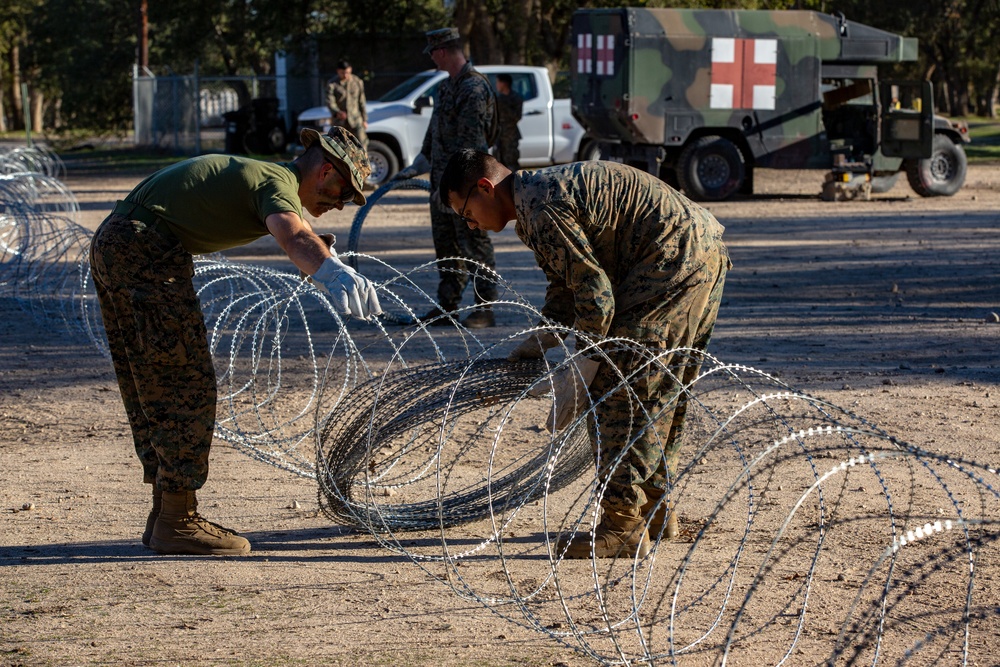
(625,256)
(509,106)
(464,116)
(345,97)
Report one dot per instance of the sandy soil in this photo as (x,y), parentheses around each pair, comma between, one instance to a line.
(888,308)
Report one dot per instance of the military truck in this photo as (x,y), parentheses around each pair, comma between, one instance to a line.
(707,96)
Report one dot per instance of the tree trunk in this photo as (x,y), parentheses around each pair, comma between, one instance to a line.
(994,95)
(17,122)
(475,25)
(37,109)
(3,115)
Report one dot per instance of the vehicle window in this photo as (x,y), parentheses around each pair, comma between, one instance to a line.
(523,84)
(405,88)
(854,92)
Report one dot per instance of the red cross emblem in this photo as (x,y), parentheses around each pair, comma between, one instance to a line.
(744,72)
(605,54)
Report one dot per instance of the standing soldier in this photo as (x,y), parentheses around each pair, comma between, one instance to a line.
(141,262)
(345,96)
(464,116)
(625,256)
(509,105)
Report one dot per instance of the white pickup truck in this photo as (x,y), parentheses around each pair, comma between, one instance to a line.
(398,120)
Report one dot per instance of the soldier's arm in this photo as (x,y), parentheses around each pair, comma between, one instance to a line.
(296,237)
(361,102)
(331,98)
(476,110)
(425,147)
(566,256)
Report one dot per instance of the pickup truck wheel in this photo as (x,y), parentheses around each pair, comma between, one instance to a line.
(882,184)
(940,175)
(591,150)
(710,169)
(383,162)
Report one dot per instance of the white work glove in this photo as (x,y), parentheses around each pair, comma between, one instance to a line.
(352,293)
(534,346)
(570,387)
(420,165)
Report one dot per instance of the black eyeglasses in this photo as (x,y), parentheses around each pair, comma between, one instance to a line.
(347,193)
(466,219)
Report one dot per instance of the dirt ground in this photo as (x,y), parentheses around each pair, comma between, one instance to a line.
(888,307)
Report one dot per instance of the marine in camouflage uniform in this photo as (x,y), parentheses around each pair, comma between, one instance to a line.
(462,118)
(345,93)
(142,266)
(509,107)
(627,256)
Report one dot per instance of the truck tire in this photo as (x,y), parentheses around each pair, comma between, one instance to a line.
(882,184)
(710,169)
(590,150)
(383,161)
(940,175)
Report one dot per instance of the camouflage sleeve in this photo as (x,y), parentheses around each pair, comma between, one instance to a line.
(426,148)
(331,97)
(566,255)
(559,299)
(475,102)
(361,103)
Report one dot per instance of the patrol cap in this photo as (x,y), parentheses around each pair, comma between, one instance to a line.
(344,147)
(441,37)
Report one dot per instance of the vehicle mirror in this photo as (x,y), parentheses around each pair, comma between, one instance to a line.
(422,102)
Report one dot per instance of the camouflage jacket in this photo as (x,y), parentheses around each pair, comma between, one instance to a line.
(463,115)
(613,241)
(509,107)
(349,97)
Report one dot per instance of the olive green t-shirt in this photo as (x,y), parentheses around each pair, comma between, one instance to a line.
(214,202)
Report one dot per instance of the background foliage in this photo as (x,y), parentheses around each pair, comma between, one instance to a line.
(77,58)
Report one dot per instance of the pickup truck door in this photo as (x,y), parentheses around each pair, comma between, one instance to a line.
(907,124)
(536,123)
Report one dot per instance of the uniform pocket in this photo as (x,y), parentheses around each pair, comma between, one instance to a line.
(168,322)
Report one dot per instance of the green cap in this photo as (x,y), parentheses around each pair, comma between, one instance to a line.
(441,37)
(344,147)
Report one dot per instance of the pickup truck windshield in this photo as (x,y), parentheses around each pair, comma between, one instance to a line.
(405,88)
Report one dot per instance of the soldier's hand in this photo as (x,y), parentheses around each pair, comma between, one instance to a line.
(352,293)
(420,166)
(534,346)
(570,388)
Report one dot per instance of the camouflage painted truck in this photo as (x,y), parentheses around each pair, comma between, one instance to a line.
(707,96)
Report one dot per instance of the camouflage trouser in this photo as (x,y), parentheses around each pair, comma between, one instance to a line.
(652,456)
(453,238)
(508,152)
(159,347)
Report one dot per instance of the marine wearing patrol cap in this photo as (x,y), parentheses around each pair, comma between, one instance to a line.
(344,147)
(441,37)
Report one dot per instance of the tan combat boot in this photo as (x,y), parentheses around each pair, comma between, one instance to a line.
(153,514)
(619,535)
(181,530)
(654,515)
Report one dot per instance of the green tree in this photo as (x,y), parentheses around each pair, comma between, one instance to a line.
(81,77)
(14,36)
